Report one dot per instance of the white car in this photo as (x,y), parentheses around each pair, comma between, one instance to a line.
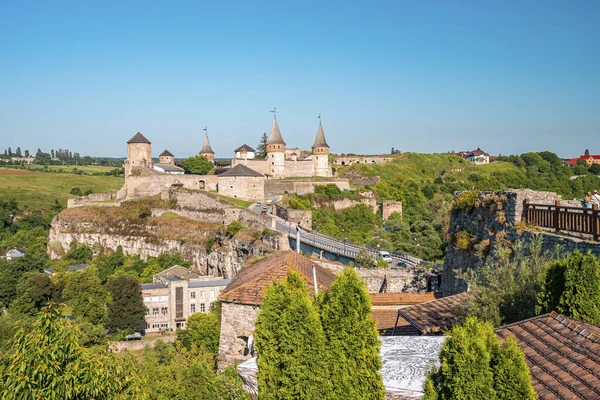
(385,256)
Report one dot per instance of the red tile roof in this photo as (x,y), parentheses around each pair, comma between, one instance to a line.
(249,285)
(402,299)
(563,355)
(592,156)
(386,321)
(434,316)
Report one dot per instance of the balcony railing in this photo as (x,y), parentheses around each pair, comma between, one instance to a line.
(564,219)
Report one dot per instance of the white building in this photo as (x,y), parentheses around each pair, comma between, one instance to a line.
(175,294)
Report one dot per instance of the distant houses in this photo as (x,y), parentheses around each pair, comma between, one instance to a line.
(13,253)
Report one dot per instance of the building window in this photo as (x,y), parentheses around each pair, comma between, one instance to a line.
(212,304)
(212,294)
(192,295)
(147,311)
(202,307)
(155,311)
(192,308)
(164,325)
(163,310)
(202,294)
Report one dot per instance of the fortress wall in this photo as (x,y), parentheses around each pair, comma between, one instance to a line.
(249,188)
(144,186)
(390,207)
(299,168)
(259,165)
(361,160)
(274,187)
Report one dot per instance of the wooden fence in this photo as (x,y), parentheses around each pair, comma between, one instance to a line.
(563,218)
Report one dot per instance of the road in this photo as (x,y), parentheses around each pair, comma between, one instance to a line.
(328,243)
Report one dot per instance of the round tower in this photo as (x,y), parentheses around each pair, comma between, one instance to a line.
(206,150)
(139,155)
(320,151)
(275,148)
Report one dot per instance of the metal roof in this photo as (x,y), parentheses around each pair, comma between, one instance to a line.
(219,282)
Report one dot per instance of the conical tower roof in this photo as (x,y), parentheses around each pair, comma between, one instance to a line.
(138,138)
(320,139)
(166,153)
(275,137)
(206,149)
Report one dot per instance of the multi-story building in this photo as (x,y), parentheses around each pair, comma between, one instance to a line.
(175,294)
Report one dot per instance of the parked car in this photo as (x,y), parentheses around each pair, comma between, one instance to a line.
(135,336)
(385,256)
(401,264)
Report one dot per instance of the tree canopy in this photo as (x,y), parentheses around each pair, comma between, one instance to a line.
(198,165)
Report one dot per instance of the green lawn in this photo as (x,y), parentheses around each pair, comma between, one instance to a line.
(87,169)
(236,202)
(36,190)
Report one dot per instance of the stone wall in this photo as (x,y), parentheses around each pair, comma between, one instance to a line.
(94,199)
(138,345)
(249,188)
(357,179)
(274,187)
(390,207)
(342,204)
(238,322)
(496,217)
(300,217)
(299,168)
(349,160)
(144,186)
(399,280)
(259,165)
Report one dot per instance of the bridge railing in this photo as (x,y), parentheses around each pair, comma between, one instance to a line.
(353,248)
(564,218)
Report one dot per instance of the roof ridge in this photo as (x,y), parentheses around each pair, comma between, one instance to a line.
(320,139)
(275,136)
(575,327)
(206,149)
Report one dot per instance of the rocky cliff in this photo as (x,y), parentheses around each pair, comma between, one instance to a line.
(481,220)
(149,228)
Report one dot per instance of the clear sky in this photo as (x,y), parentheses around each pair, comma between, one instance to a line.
(425,76)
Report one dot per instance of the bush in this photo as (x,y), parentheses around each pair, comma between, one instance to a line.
(233,228)
(76,191)
(466,201)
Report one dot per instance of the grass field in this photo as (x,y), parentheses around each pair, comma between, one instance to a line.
(87,169)
(37,190)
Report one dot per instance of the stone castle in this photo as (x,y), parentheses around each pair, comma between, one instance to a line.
(249,178)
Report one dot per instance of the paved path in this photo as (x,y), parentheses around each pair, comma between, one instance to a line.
(331,244)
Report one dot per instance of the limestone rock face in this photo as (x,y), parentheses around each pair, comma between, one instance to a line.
(226,258)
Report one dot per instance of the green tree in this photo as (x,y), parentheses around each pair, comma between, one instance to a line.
(34,291)
(48,362)
(203,331)
(261,148)
(474,366)
(364,259)
(78,253)
(233,228)
(86,296)
(291,344)
(351,339)
(198,165)
(581,296)
(126,310)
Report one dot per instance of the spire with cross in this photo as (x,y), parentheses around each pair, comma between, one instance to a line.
(274,111)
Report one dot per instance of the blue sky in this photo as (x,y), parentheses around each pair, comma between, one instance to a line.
(425,76)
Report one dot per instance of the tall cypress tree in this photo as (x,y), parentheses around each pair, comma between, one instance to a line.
(581,296)
(352,344)
(291,345)
(512,380)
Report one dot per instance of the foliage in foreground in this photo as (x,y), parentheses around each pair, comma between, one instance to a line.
(572,287)
(351,337)
(47,362)
(198,165)
(475,366)
(291,344)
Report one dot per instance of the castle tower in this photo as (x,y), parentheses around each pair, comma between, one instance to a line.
(139,155)
(166,158)
(206,150)
(276,152)
(320,153)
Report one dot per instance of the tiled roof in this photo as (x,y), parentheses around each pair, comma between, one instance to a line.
(592,156)
(241,170)
(177,272)
(216,282)
(400,299)
(386,320)
(320,139)
(434,316)
(250,283)
(138,138)
(166,153)
(563,355)
(244,147)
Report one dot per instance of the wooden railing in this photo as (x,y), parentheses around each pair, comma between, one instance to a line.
(563,218)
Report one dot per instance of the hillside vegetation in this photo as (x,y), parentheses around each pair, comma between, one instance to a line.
(39,190)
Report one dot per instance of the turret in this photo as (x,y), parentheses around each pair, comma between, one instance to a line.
(206,150)
(276,151)
(166,158)
(321,153)
(139,154)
